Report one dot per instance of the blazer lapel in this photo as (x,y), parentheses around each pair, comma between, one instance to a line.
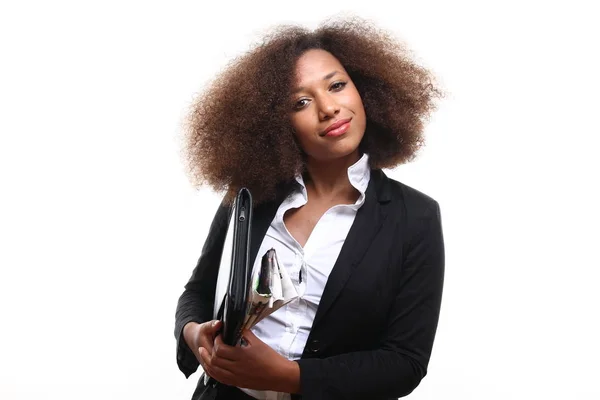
(367,223)
(262,217)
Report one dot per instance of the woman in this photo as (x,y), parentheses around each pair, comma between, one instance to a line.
(306,121)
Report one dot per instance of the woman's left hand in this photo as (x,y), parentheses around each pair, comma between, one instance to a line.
(253,366)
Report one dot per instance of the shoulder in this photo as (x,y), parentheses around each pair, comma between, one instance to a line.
(405,199)
(415,213)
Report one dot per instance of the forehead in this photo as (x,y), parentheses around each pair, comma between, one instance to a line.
(315,64)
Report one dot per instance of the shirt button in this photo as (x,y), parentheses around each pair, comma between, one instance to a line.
(314,346)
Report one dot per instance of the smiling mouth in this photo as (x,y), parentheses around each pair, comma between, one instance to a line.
(338,128)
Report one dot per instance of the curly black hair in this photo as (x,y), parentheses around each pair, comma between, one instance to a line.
(238,131)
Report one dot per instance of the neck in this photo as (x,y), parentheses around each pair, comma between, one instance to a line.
(329,179)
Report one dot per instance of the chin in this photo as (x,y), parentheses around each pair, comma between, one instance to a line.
(336,153)
(329,149)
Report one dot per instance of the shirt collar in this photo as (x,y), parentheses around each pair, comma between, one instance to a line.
(359,175)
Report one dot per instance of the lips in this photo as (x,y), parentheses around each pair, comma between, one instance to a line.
(335,126)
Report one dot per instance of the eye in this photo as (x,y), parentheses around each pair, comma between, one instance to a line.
(337,86)
(300,104)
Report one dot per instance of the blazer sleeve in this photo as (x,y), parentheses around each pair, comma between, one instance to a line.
(399,363)
(197,300)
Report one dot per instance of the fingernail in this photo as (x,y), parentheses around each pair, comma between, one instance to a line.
(215,323)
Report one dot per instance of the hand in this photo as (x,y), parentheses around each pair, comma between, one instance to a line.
(201,335)
(253,366)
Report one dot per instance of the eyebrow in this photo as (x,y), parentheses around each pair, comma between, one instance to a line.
(328,76)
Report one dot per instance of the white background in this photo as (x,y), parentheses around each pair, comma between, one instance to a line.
(100,229)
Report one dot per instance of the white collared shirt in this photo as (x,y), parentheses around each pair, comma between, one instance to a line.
(287,329)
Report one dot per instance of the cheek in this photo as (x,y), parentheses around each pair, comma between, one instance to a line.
(356,105)
(357,102)
(295,122)
(302,126)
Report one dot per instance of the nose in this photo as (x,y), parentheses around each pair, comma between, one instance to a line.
(328,107)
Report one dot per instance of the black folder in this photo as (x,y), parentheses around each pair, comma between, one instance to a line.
(236,300)
(233,308)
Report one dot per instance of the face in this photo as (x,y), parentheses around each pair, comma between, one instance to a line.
(326,110)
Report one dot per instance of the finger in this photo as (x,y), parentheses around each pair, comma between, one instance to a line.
(207,337)
(221,350)
(211,329)
(204,359)
(214,361)
(215,326)
(208,347)
(214,368)
(224,364)
(206,344)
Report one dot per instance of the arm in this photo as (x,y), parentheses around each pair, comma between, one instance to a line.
(196,302)
(400,362)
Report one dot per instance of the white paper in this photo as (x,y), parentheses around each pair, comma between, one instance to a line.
(282,291)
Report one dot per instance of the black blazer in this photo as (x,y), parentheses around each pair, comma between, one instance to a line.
(375,325)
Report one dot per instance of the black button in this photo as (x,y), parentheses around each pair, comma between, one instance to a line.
(314,346)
